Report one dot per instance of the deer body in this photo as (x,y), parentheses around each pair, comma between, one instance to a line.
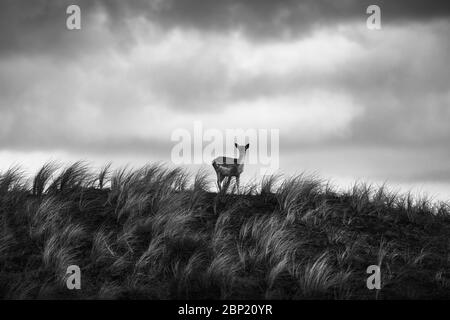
(226,167)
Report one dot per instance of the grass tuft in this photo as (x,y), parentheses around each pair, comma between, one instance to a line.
(157,233)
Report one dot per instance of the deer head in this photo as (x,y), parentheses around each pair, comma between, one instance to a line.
(242,150)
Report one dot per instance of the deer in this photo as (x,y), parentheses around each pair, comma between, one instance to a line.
(226,167)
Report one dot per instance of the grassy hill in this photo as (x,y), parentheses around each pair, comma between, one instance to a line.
(153,233)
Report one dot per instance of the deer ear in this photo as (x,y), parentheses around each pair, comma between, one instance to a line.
(247,146)
(235,144)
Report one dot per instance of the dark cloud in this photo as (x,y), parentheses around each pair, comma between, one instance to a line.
(39,28)
(268,19)
(39,25)
(401,86)
(46,72)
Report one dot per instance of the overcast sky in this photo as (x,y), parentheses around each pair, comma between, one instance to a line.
(350,103)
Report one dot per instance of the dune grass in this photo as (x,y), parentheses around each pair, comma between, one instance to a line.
(157,233)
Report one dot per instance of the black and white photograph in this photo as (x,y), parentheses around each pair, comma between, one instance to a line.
(224,150)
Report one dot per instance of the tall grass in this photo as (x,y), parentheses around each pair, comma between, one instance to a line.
(159,233)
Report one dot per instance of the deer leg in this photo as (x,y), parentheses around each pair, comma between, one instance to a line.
(227,183)
(222,177)
(219,181)
(237,184)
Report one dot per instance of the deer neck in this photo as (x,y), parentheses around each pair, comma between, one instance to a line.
(241,158)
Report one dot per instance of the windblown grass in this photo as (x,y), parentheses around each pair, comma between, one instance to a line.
(157,233)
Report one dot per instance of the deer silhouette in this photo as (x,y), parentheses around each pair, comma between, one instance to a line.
(226,167)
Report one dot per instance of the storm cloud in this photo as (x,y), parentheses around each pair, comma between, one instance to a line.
(36,25)
(349,102)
